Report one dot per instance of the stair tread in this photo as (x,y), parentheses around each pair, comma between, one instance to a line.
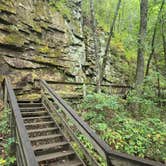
(33,112)
(31,108)
(36,117)
(38,123)
(29,101)
(45,137)
(29,104)
(71,163)
(47,146)
(44,129)
(54,155)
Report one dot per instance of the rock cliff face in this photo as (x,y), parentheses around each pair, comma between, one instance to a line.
(40,41)
(45,39)
(118,68)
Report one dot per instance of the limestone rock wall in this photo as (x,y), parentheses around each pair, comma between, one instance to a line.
(118,68)
(39,41)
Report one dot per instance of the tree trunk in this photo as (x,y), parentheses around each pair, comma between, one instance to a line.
(163,37)
(105,57)
(158,76)
(93,25)
(141,41)
(153,38)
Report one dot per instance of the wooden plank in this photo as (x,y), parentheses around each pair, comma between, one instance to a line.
(36,117)
(71,163)
(43,130)
(55,155)
(46,137)
(39,123)
(48,146)
(31,108)
(82,83)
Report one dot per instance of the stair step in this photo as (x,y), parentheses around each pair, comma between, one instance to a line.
(39,123)
(38,131)
(43,130)
(54,155)
(30,104)
(34,113)
(47,146)
(71,163)
(29,101)
(32,109)
(45,137)
(38,117)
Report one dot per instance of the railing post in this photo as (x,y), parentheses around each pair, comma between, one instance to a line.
(84,90)
(108,160)
(5,95)
(110,90)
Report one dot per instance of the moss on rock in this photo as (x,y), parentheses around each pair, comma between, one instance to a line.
(61,7)
(14,39)
(8,9)
(44,60)
(44,49)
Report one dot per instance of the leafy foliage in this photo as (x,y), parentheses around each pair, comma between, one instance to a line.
(101,102)
(4,125)
(91,150)
(143,101)
(140,133)
(4,130)
(61,6)
(145,138)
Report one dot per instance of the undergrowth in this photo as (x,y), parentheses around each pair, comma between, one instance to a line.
(6,158)
(134,126)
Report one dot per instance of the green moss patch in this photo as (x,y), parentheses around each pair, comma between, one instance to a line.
(14,39)
(61,6)
(44,60)
(7,9)
(44,49)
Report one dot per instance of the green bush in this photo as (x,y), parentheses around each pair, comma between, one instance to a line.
(4,122)
(101,102)
(121,128)
(143,101)
(61,6)
(144,138)
(7,142)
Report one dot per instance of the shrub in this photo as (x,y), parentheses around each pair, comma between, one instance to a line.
(144,138)
(7,159)
(143,101)
(136,132)
(101,102)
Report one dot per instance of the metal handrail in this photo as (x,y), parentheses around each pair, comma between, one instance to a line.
(25,147)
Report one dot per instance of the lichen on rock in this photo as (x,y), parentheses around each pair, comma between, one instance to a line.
(35,35)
